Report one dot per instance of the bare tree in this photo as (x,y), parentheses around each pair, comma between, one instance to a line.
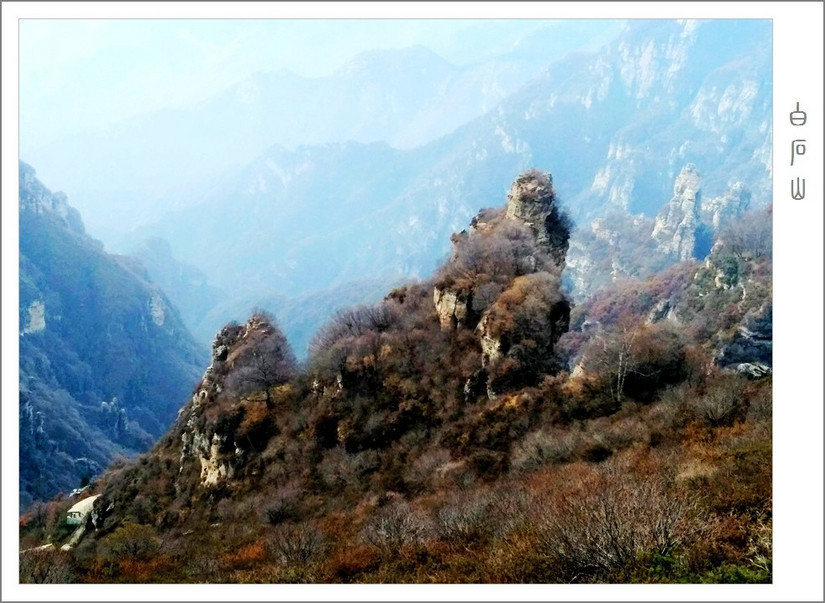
(612,517)
(751,235)
(265,362)
(635,358)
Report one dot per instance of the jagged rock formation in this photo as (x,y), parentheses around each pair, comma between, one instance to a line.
(684,227)
(197,441)
(533,200)
(723,209)
(676,223)
(509,261)
(621,245)
(216,445)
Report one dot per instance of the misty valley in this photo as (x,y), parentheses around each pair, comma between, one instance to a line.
(504,320)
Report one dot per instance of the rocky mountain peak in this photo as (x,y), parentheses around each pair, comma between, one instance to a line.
(531,196)
(37,199)
(503,281)
(532,199)
(675,227)
(687,185)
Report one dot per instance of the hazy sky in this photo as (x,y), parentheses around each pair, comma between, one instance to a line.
(80,73)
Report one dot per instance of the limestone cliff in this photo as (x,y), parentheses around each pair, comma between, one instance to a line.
(503,281)
(676,223)
(723,209)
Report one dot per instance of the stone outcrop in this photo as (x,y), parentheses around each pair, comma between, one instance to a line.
(533,200)
(491,345)
(752,344)
(451,307)
(753,371)
(722,210)
(217,453)
(677,221)
(36,318)
(498,266)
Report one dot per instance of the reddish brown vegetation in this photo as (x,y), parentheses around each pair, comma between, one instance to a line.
(397,457)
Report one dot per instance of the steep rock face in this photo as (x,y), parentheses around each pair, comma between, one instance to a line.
(503,281)
(723,209)
(676,223)
(532,200)
(207,438)
(37,199)
(104,357)
(491,344)
(451,307)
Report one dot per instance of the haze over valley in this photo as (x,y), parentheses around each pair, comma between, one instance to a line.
(283,186)
(383,301)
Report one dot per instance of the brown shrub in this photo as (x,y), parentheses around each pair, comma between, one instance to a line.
(394,528)
(135,541)
(295,544)
(347,564)
(723,402)
(610,518)
(46,566)
(246,556)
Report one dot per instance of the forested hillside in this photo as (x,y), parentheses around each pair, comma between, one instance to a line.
(105,360)
(476,426)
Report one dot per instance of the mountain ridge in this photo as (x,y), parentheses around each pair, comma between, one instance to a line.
(472,427)
(104,356)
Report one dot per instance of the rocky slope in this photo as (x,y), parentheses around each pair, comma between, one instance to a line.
(104,356)
(724,302)
(506,268)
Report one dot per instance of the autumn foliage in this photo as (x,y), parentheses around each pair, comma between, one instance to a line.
(533,441)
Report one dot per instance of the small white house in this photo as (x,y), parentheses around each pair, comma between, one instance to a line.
(80,510)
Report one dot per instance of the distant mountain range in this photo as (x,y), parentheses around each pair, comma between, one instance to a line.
(376,164)
(105,360)
(614,127)
(406,97)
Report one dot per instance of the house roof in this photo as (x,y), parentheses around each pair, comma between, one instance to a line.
(84,506)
